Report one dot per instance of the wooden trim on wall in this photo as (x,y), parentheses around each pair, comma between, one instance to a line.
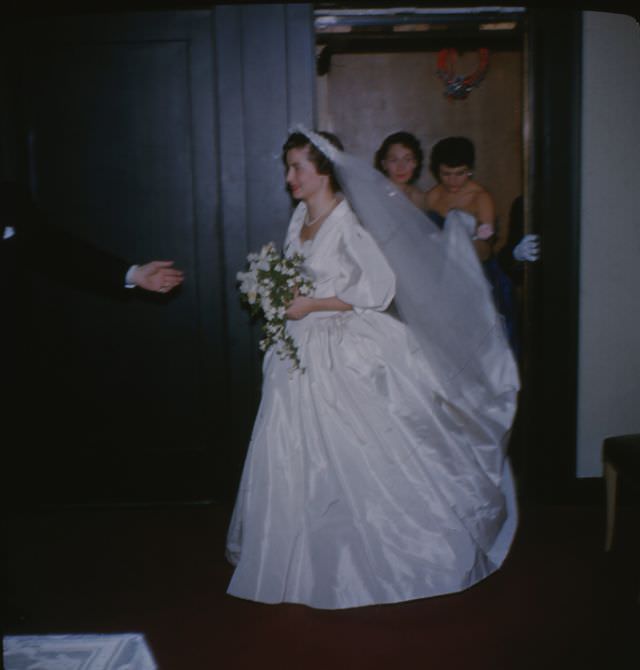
(549,413)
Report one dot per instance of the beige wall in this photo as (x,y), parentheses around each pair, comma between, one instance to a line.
(365,97)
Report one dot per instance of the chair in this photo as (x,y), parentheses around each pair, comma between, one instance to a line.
(620,457)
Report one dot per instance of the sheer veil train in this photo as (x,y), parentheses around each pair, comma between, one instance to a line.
(443,297)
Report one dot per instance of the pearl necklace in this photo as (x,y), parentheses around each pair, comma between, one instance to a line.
(308,224)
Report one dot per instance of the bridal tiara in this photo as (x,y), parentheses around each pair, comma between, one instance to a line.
(322,144)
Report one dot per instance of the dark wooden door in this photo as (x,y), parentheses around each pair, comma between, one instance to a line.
(118,120)
(153,135)
(265,84)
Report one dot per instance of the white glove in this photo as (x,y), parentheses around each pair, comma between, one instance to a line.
(528,249)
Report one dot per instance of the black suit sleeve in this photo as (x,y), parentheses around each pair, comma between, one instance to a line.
(48,248)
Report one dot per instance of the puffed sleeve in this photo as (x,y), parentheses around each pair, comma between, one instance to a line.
(365,280)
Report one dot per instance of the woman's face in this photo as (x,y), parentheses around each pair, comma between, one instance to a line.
(302,177)
(399,164)
(454,178)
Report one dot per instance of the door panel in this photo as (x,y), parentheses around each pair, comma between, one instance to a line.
(154,136)
(119,118)
(265,83)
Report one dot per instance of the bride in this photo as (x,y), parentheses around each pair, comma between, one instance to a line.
(377,475)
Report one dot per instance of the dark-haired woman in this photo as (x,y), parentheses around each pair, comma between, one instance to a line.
(366,480)
(400,157)
(451,163)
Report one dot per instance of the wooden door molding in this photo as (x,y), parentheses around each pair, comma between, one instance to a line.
(118,122)
(550,423)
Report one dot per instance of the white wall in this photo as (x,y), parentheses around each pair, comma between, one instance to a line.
(609,346)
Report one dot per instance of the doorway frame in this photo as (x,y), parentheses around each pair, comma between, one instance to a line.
(551,139)
(554,57)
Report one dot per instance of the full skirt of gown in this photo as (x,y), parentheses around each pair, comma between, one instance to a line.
(363,484)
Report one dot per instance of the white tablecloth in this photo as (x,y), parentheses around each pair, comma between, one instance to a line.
(77,652)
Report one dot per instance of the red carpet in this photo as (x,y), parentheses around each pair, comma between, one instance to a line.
(559,601)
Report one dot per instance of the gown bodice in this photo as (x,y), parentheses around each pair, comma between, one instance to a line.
(337,257)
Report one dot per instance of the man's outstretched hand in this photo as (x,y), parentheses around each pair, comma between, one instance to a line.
(158,276)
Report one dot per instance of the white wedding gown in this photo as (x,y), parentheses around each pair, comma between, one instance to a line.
(363,482)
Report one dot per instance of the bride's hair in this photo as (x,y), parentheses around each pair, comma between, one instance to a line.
(322,163)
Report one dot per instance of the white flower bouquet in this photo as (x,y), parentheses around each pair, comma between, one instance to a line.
(270,283)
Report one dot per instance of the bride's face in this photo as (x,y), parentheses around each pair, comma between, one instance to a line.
(303,179)
(399,164)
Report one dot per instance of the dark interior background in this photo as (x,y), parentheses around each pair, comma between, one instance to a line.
(153,135)
(156,134)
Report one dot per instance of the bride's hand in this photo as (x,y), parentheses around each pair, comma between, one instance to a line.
(299,307)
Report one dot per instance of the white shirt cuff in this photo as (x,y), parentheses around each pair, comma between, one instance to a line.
(128,279)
